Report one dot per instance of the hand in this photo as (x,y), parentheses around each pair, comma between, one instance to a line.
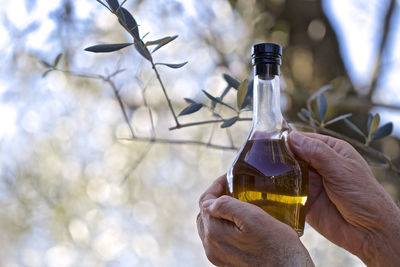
(346,203)
(235,233)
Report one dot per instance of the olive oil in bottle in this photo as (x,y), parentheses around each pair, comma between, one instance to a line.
(265,173)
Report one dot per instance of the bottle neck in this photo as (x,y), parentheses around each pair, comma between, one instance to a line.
(267,115)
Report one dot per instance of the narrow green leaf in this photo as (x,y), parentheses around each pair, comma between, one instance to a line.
(46,72)
(57,60)
(383,131)
(241,93)
(322,90)
(306,113)
(302,117)
(322,107)
(229,122)
(225,92)
(248,100)
(370,117)
(173,66)
(142,49)
(161,41)
(106,48)
(161,45)
(339,118)
(126,19)
(374,124)
(353,127)
(216,100)
(190,101)
(191,109)
(113,4)
(231,81)
(46,64)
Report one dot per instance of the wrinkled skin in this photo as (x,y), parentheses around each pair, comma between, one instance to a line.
(346,205)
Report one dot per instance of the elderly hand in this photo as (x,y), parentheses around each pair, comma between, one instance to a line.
(346,203)
(235,233)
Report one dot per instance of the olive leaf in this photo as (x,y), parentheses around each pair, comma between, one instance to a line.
(142,49)
(216,100)
(46,64)
(322,107)
(302,117)
(192,108)
(231,81)
(57,60)
(173,66)
(383,131)
(158,41)
(189,100)
(213,98)
(46,72)
(241,93)
(126,19)
(229,122)
(114,5)
(306,113)
(225,92)
(339,118)
(322,90)
(161,45)
(249,96)
(370,117)
(374,124)
(354,127)
(106,48)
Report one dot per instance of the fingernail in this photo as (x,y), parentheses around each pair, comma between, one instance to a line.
(296,138)
(207,203)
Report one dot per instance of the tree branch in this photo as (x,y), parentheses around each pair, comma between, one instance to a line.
(388,164)
(108,80)
(138,161)
(183,125)
(179,142)
(150,57)
(386,30)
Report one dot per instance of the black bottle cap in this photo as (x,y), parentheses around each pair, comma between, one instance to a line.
(266,58)
(266,53)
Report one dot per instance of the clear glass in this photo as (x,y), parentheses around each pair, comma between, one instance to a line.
(265,172)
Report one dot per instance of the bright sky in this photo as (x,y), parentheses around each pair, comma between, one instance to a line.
(359,49)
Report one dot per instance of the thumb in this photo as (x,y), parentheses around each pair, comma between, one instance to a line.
(233,210)
(318,154)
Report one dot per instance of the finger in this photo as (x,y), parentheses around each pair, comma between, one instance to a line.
(330,141)
(233,210)
(340,146)
(321,156)
(217,189)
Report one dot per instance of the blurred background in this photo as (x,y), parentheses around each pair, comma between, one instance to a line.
(75,192)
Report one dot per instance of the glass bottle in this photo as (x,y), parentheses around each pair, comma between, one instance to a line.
(265,172)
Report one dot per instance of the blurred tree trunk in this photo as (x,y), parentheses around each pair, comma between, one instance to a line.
(309,63)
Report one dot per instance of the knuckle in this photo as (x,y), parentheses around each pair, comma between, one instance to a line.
(202,197)
(343,143)
(221,203)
